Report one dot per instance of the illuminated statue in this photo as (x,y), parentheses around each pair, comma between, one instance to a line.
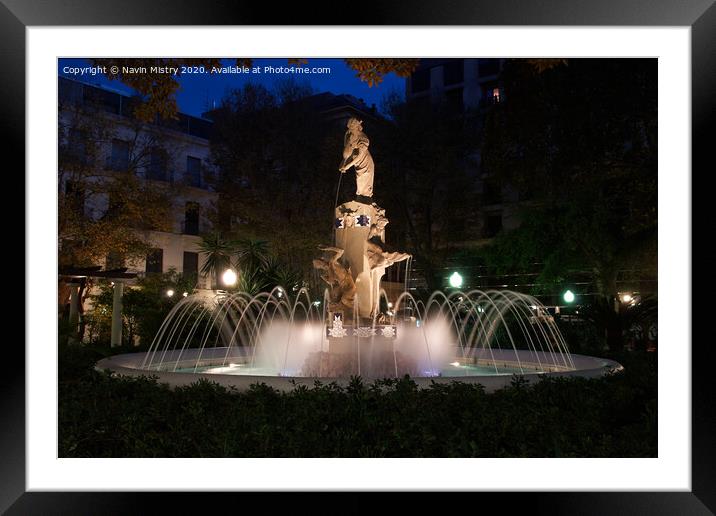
(342,288)
(356,154)
(378,257)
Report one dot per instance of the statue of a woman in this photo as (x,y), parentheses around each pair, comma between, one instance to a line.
(356,154)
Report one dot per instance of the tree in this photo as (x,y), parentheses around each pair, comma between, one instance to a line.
(428,181)
(144,307)
(105,206)
(276,160)
(251,254)
(579,144)
(217,252)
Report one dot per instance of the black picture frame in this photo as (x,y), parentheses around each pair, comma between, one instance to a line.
(700,15)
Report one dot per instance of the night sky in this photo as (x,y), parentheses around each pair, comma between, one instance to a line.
(197,92)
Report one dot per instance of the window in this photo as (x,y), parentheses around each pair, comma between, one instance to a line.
(193,171)
(421,103)
(119,160)
(114,205)
(495,95)
(77,146)
(155,261)
(420,81)
(75,197)
(101,99)
(157,165)
(454,72)
(191,219)
(69,91)
(190,267)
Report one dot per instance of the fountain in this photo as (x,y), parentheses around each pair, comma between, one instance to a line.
(286,338)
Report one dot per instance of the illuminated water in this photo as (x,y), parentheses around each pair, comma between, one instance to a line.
(447,371)
(472,333)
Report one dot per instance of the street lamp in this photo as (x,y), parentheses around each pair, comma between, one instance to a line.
(170,293)
(626,298)
(229,277)
(568,296)
(455,280)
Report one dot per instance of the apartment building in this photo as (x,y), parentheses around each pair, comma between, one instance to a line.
(172,155)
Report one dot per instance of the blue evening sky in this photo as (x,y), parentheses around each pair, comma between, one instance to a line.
(197,92)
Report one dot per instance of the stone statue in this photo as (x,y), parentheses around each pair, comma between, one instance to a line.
(377,228)
(356,154)
(378,257)
(339,279)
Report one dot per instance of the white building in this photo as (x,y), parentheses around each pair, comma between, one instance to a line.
(172,155)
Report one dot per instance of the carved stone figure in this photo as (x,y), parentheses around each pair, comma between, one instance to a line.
(339,279)
(356,154)
(377,257)
(377,228)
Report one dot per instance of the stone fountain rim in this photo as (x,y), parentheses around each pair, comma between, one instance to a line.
(118,365)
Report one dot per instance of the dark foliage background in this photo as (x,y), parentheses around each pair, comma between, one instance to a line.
(102,416)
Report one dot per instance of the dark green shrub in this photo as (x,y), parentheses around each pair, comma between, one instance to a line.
(102,416)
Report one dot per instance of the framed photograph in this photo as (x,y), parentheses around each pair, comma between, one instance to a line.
(422,251)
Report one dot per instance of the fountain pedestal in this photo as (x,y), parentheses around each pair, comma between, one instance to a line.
(355,224)
(362,351)
(359,351)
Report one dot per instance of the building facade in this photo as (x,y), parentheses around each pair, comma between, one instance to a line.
(170,156)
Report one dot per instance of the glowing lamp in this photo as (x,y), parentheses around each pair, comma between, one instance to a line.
(229,277)
(456,280)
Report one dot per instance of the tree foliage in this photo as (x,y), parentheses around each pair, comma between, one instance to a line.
(276,159)
(144,307)
(427,181)
(579,144)
(102,209)
(258,268)
(217,255)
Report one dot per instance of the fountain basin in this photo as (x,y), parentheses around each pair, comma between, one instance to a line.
(186,367)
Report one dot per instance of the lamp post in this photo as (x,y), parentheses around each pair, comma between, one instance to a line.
(118,291)
(568,296)
(229,278)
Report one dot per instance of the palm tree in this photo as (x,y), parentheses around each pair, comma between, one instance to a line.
(279,274)
(614,323)
(252,281)
(218,255)
(251,255)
